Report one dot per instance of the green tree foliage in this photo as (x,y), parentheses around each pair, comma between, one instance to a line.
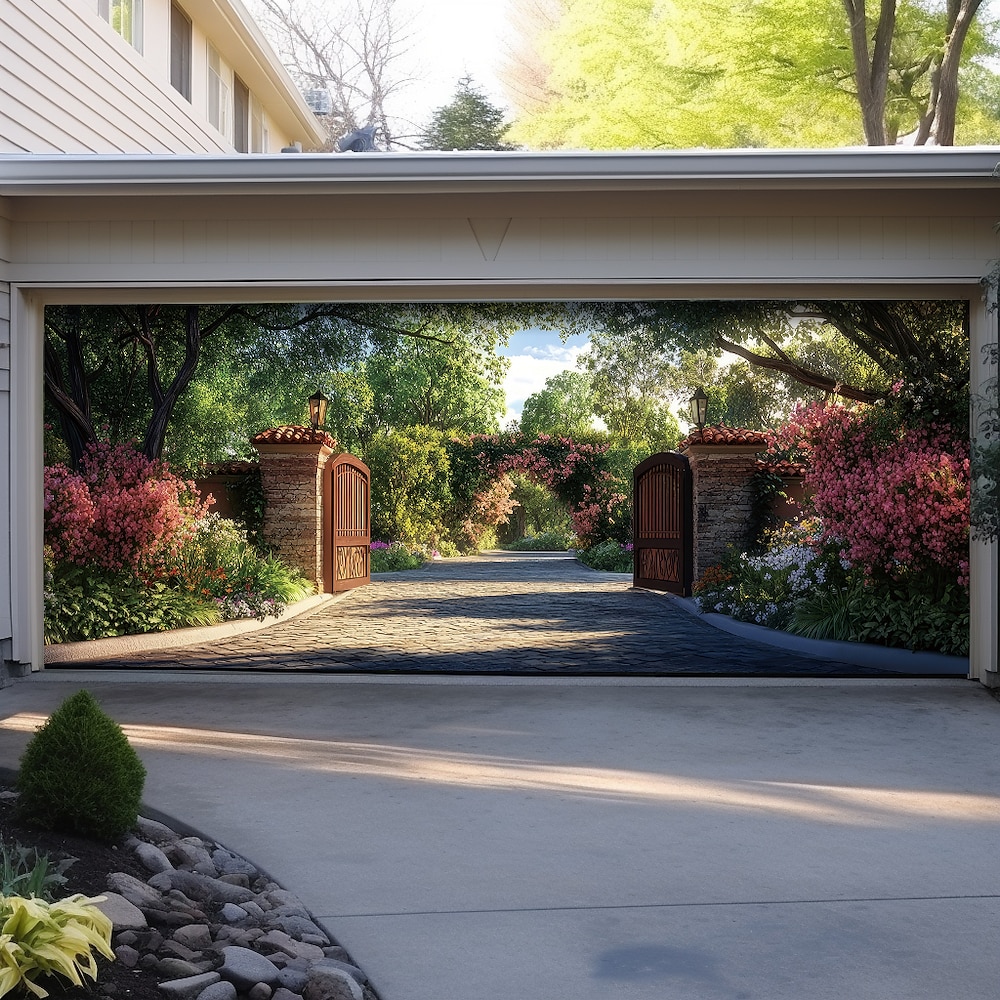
(629,378)
(194,383)
(564,408)
(922,344)
(617,74)
(410,486)
(450,386)
(468,121)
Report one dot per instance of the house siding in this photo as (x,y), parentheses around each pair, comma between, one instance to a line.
(70,84)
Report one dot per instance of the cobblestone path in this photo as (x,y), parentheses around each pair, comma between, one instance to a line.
(502,613)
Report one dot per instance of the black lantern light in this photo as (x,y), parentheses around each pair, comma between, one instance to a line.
(698,407)
(317,409)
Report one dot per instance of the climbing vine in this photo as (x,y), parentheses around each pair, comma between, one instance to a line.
(578,473)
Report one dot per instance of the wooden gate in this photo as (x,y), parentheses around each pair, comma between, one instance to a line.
(662,524)
(346,524)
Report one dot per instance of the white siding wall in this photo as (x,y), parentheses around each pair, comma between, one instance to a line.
(70,84)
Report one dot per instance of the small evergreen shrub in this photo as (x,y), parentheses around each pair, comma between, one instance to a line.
(79,773)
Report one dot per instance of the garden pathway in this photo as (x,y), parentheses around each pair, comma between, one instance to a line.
(500,613)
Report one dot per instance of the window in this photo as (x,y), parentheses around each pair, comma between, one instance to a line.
(180,51)
(218,93)
(241,116)
(125,16)
(259,138)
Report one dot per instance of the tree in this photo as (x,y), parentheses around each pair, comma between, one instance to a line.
(920,343)
(469,121)
(624,73)
(212,376)
(564,408)
(446,386)
(630,379)
(348,54)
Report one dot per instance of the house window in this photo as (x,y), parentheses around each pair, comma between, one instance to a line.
(218,93)
(259,138)
(241,116)
(125,16)
(180,51)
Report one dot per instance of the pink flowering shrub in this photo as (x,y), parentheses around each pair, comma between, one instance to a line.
(894,498)
(122,512)
(575,472)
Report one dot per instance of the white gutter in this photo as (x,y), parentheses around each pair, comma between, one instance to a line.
(902,167)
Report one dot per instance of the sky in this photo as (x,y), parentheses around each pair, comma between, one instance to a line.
(452,38)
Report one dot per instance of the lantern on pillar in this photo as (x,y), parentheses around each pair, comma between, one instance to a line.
(317,409)
(698,407)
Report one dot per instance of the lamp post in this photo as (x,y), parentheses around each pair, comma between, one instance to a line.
(698,407)
(317,409)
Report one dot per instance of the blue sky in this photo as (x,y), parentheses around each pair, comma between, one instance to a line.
(536,355)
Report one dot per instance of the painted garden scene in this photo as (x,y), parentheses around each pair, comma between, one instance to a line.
(522,476)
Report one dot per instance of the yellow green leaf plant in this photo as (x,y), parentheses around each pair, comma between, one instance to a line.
(40,939)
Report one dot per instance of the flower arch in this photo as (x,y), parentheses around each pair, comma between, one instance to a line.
(578,473)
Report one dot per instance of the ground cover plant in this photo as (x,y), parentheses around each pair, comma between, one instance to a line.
(130,548)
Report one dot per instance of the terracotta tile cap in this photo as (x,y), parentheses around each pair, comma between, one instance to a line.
(721,434)
(294,435)
(783,467)
(237,467)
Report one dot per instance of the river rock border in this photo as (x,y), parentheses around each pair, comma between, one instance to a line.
(212,926)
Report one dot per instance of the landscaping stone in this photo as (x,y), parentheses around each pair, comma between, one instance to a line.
(127,955)
(154,832)
(123,914)
(245,968)
(190,987)
(331,984)
(195,936)
(188,928)
(218,991)
(152,858)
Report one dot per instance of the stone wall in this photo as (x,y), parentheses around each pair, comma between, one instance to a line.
(292,460)
(723,499)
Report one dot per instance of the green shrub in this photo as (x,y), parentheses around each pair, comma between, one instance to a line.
(410,487)
(392,557)
(608,556)
(886,615)
(79,773)
(86,602)
(547,541)
(220,562)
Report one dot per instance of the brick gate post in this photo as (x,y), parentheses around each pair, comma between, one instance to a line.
(723,461)
(292,460)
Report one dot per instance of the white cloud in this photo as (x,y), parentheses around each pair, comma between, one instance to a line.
(528,372)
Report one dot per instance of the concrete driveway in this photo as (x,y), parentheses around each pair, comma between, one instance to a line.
(587,838)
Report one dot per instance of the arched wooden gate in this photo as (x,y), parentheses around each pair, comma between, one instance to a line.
(662,524)
(346,524)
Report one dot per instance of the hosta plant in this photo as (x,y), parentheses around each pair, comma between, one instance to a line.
(25,872)
(40,939)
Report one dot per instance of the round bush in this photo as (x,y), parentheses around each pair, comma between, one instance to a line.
(79,773)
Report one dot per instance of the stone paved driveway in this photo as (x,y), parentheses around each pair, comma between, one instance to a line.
(510,613)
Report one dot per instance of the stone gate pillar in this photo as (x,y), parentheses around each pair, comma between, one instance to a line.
(292,460)
(723,461)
